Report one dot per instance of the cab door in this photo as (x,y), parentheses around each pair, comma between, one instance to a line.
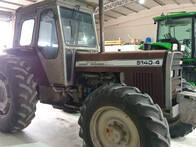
(50,46)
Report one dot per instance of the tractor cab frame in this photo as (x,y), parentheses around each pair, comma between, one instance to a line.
(179,29)
(56,32)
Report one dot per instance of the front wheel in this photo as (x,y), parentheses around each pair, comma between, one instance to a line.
(121,116)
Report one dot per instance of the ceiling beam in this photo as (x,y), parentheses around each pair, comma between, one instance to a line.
(159,2)
(110,16)
(8,14)
(114,4)
(115,11)
(130,9)
(33,1)
(126,7)
(193,2)
(12,3)
(105,19)
(97,21)
(175,1)
(6,8)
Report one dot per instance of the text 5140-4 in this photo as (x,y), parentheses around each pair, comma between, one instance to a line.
(148,62)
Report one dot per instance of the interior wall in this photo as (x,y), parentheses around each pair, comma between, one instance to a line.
(140,25)
(6,32)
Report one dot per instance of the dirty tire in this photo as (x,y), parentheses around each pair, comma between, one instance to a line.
(22,94)
(148,118)
(70,110)
(179,129)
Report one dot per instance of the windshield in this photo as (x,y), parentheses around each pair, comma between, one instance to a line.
(177,31)
(78,28)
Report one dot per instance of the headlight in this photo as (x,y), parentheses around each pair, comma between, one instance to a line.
(172,74)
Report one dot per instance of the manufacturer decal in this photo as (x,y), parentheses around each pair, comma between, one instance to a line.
(121,63)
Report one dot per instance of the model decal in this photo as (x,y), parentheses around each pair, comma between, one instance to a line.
(149,62)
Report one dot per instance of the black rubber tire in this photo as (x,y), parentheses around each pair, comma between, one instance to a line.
(67,109)
(70,110)
(148,117)
(179,129)
(22,92)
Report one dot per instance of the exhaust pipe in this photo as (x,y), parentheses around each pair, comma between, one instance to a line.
(101,22)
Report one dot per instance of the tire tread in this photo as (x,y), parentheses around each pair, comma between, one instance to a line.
(26,92)
(161,136)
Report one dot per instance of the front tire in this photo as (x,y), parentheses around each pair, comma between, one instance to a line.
(70,110)
(18,96)
(118,115)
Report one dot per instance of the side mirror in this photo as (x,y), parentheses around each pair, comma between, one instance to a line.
(155,22)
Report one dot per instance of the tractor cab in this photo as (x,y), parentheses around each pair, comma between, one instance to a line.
(177,32)
(55,30)
(178,29)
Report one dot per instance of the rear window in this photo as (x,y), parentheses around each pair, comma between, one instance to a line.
(27,32)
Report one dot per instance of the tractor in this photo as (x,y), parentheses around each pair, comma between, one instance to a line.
(177,31)
(126,99)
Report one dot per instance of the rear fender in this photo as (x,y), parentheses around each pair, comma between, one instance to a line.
(32,59)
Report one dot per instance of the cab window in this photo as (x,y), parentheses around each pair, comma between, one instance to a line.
(27,32)
(177,31)
(48,41)
(78,28)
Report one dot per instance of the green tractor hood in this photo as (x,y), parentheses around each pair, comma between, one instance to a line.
(159,45)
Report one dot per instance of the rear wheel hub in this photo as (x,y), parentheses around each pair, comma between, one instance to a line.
(111,126)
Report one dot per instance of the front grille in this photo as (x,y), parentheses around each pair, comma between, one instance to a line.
(150,81)
(177,75)
(144,81)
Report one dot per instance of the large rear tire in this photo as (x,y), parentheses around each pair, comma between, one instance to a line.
(178,128)
(18,94)
(119,115)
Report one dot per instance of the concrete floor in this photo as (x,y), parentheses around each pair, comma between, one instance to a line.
(54,128)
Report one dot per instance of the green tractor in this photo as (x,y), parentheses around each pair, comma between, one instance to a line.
(177,32)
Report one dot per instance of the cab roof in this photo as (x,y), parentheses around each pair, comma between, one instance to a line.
(47,3)
(176,15)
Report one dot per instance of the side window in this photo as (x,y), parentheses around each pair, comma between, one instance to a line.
(48,41)
(27,32)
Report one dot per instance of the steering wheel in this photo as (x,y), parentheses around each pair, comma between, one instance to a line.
(170,39)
